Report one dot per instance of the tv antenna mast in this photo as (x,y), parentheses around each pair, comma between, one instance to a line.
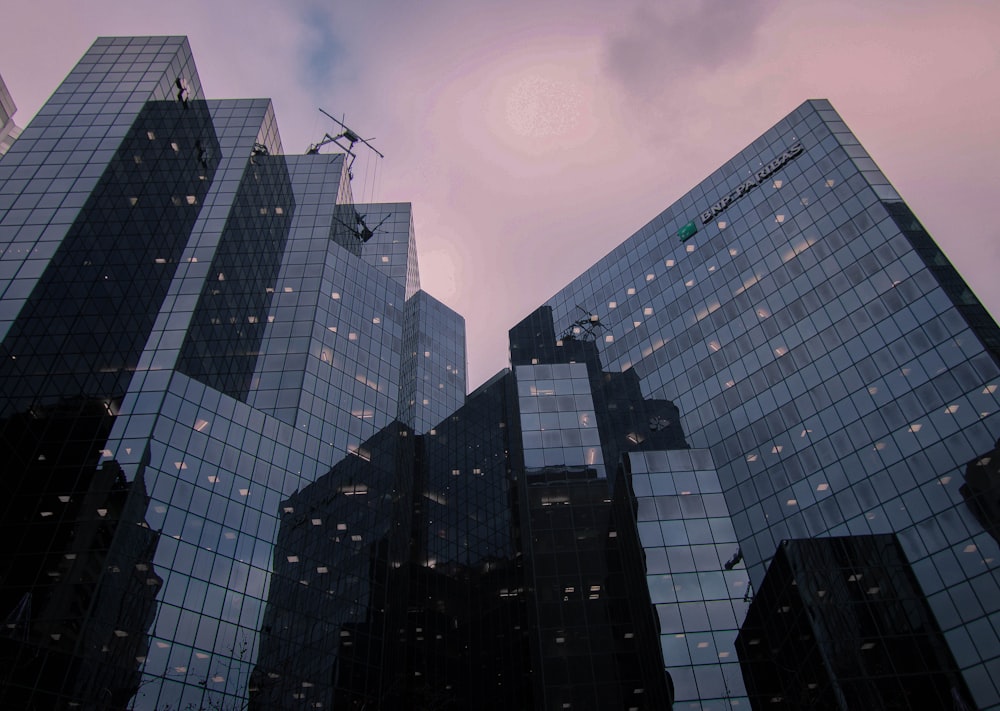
(584,329)
(345,140)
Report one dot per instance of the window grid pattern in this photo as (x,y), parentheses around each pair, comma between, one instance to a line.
(433,362)
(179,486)
(696,579)
(558,423)
(815,352)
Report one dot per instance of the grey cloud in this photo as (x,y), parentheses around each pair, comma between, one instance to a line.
(659,43)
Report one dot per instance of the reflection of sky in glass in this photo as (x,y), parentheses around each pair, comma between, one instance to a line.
(558,424)
(688,538)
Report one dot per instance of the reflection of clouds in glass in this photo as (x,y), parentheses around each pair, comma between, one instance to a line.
(536,106)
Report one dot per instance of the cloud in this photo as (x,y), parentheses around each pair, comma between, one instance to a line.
(664,43)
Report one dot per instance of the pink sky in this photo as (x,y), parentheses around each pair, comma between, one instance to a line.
(532,138)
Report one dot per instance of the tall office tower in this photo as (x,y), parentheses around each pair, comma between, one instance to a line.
(844,378)
(8,129)
(194,326)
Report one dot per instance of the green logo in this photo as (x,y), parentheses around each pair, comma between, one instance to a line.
(687,231)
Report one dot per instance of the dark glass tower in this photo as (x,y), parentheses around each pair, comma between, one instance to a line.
(843,377)
(189,336)
(242,469)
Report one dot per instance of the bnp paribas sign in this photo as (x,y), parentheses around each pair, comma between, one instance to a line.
(689,230)
(750,183)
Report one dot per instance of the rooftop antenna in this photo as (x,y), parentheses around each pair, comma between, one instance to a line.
(347,135)
(584,329)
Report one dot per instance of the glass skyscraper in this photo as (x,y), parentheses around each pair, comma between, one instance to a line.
(818,342)
(8,129)
(747,460)
(187,341)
